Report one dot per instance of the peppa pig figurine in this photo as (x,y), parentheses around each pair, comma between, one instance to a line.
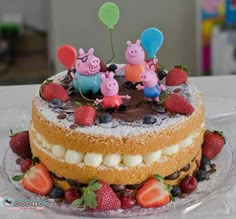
(151,88)
(110,89)
(87,77)
(135,61)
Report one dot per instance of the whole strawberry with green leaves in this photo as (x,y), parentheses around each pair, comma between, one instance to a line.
(98,196)
(213,143)
(20,144)
(177,75)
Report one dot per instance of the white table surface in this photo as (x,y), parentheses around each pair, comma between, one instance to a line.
(220,99)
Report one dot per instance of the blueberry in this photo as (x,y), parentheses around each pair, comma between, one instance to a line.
(55,103)
(105,118)
(205,161)
(149,119)
(200,175)
(175,191)
(112,68)
(56,193)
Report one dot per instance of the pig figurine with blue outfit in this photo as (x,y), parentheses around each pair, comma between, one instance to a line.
(151,88)
(87,77)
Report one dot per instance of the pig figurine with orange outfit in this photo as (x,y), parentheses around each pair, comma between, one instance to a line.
(135,59)
(135,62)
(109,89)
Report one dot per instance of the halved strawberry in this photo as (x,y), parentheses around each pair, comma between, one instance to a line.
(153,193)
(38,180)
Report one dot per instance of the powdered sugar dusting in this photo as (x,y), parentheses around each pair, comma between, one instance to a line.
(119,128)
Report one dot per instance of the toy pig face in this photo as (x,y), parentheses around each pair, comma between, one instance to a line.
(134,53)
(149,78)
(87,63)
(109,86)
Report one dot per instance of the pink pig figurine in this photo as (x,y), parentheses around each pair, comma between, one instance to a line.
(87,77)
(151,88)
(135,59)
(135,62)
(110,88)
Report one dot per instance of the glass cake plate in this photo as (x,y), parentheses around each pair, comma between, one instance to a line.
(216,197)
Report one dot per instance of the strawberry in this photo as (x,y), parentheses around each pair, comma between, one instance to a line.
(98,196)
(84,115)
(175,103)
(72,194)
(20,144)
(25,165)
(212,144)
(38,180)
(106,198)
(177,75)
(153,193)
(50,90)
(188,184)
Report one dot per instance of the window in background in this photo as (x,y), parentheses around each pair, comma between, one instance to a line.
(23,41)
(218,37)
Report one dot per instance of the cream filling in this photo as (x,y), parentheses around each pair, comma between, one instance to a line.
(110,160)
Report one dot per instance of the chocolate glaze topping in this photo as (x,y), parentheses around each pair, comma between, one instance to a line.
(132,110)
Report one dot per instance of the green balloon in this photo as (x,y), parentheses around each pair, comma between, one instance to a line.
(109,14)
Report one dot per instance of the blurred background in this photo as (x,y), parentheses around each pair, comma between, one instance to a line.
(198,33)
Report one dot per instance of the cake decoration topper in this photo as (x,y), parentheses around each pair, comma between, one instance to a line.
(135,62)
(109,15)
(87,77)
(152,40)
(67,55)
(135,59)
(151,88)
(110,90)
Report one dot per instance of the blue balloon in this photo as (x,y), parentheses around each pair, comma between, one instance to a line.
(151,40)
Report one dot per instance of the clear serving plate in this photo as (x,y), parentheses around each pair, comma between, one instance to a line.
(216,197)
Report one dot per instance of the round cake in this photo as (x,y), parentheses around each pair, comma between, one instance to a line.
(140,139)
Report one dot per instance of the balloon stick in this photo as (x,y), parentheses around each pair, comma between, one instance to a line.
(112,47)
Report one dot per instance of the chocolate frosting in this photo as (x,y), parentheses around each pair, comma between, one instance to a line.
(132,110)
